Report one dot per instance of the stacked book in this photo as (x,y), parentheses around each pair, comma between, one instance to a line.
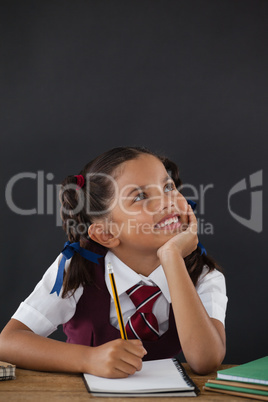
(7,371)
(249,380)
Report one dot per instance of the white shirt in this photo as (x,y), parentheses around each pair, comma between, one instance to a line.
(43,312)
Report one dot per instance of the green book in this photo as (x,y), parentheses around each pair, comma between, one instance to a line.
(255,372)
(237,389)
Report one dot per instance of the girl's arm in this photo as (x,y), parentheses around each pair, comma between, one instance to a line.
(20,346)
(202,338)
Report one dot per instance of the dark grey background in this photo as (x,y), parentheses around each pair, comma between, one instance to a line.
(185,78)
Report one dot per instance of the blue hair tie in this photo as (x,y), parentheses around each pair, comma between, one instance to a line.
(67,253)
(200,245)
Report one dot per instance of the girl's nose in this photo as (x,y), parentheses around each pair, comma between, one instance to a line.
(168,201)
(164,201)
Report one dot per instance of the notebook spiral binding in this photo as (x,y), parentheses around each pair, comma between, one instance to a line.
(185,376)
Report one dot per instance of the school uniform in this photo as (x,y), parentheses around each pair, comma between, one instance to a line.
(89,316)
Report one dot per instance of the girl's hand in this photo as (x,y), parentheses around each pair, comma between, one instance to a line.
(116,359)
(183,243)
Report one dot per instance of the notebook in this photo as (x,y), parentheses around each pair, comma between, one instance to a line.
(246,390)
(7,371)
(165,377)
(255,371)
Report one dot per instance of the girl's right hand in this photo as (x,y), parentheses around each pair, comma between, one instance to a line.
(183,243)
(116,359)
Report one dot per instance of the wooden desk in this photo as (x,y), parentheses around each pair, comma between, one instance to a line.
(34,386)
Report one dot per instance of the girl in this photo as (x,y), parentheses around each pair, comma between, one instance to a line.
(123,208)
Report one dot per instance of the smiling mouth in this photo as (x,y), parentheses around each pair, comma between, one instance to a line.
(168,222)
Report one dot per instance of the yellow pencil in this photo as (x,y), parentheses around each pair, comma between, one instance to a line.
(117,302)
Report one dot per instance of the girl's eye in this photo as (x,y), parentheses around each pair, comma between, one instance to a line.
(140,196)
(169,187)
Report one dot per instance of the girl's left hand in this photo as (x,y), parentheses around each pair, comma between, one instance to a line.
(185,242)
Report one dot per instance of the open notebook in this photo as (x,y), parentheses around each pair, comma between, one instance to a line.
(165,377)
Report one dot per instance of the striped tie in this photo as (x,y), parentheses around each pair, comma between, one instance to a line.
(143,323)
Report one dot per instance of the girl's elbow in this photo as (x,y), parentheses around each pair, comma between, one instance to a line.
(205,365)
(204,368)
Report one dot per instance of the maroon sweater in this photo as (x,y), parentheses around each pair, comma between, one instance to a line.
(91,326)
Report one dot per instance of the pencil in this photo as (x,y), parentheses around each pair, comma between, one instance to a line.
(117,302)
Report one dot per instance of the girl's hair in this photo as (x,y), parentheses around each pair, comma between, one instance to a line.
(81,206)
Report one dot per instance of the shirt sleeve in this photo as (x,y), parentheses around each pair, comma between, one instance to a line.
(211,289)
(43,312)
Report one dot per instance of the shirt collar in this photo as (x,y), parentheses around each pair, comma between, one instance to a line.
(125,277)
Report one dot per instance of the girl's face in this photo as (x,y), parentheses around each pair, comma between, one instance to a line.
(148,209)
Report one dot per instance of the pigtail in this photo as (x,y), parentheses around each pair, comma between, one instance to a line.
(75,223)
(70,198)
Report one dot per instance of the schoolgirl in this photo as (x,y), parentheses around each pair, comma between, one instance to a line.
(124,208)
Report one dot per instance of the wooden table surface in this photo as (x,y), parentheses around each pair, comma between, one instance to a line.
(34,386)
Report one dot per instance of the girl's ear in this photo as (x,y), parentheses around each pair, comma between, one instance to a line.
(100,234)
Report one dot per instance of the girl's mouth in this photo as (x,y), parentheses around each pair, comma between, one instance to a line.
(171,222)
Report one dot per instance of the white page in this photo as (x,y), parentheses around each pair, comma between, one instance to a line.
(160,375)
